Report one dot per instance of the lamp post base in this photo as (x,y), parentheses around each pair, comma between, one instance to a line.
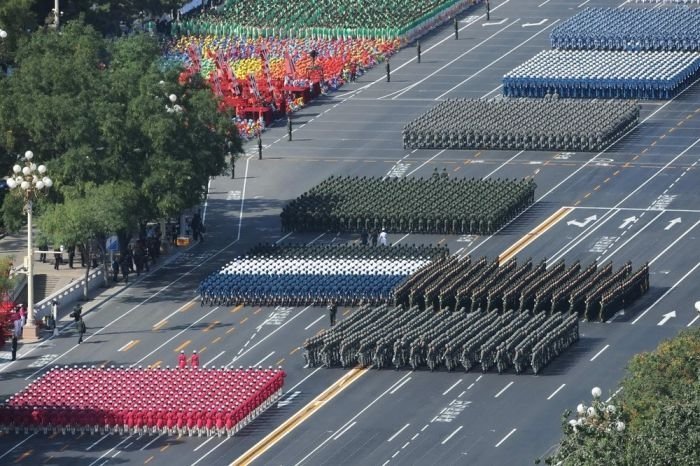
(30,333)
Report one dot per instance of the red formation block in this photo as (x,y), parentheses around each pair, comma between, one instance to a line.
(163,401)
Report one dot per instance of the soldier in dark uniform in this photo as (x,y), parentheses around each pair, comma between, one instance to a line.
(289,127)
(418,50)
(364,236)
(488,10)
(456,29)
(332,312)
(259,146)
(374,237)
(388,71)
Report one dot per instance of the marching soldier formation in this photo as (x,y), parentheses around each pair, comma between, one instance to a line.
(287,275)
(384,336)
(437,205)
(630,29)
(509,124)
(453,283)
(603,74)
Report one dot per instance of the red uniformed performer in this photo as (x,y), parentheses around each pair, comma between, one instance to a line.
(194,361)
(182,360)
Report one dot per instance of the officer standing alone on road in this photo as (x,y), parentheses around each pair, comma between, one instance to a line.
(456,29)
(488,10)
(82,328)
(332,312)
(259,146)
(388,71)
(289,127)
(418,50)
(54,316)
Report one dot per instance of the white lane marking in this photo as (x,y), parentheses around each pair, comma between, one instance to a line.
(583,3)
(425,427)
(556,391)
(469,78)
(492,91)
(478,378)
(313,323)
(543,3)
(422,80)
(399,386)
(110,451)
(630,239)
(214,358)
(400,239)
(505,438)
(210,451)
(694,320)
(447,439)
(425,163)
(405,444)
(284,237)
(613,395)
(504,389)
(453,386)
(16,446)
(666,293)
(398,432)
(315,239)
(495,23)
(150,443)
(504,164)
(264,359)
(461,394)
(470,386)
(415,436)
(125,346)
(305,379)
(175,336)
(204,443)
(599,352)
(322,444)
(340,434)
(592,228)
(396,453)
(588,162)
(96,442)
(267,336)
(673,243)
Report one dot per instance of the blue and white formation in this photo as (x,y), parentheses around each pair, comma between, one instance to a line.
(603,74)
(632,29)
(315,275)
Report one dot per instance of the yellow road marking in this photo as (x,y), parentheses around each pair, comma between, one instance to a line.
(257,310)
(243,320)
(477,154)
(202,350)
(442,240)
(626,165)
(616,173)
(148,460)
(577,202)
(156,364)
(182,346)
(596,188)
(653,144)
(211,326)
(680,123)
(187,306)
(160,324)
(690,115)
(237,308)
(300,416)
(23,456)
(294,350)
(346,312)
(215,340)
(587,195)
(230,330)
(456,169)
(523,242)
(164,448)
(130,345)
(662,136)
(645,150)
(670,130)
(635,157)
(279,363)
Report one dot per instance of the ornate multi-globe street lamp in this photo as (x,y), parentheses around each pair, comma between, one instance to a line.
(30,182)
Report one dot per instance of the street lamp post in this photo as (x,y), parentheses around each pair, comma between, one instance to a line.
(31,181)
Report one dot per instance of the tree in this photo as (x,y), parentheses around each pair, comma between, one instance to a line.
(106,15)
(85,219)
(17,18)
(99,112)
(660,406)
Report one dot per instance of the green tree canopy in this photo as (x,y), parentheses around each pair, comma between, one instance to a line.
(98,112)
(660,404)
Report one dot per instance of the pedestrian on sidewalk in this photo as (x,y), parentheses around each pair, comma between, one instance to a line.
(194,361)
(56,258)
(115,270)
(124,265)
(43,247)
(182,360)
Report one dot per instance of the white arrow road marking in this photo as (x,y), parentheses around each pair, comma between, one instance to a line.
(628,221)
(667,317)
(496,23)
(586,221)
(526,25)
(673,222)
(288,400)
